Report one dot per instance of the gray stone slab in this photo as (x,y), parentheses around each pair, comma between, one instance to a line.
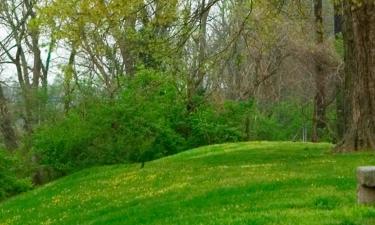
(366,176)
(366,195)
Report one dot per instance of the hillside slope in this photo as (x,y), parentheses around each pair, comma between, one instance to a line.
(244,183)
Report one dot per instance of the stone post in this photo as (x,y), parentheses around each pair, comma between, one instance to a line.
(366,184)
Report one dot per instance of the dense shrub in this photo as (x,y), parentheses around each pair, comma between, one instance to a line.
(149,119)
(135,126)
(10,184)
(283,121)
(212,124)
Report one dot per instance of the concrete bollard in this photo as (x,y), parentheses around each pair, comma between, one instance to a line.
(366,184)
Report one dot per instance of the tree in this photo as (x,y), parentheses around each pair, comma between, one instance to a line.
(196,78)
(22,49)
(111,38)
(320,77)
(341,103)
(10,138)
(360,75)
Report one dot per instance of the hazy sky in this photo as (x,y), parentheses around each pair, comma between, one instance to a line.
(9,73)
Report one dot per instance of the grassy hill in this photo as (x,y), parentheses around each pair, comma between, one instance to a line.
(244,183)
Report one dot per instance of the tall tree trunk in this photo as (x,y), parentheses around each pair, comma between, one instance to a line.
(23,80)
(10,138)
(360,75)
(320,79)
(340,84)
(69,75)
(126,52)
(196,79)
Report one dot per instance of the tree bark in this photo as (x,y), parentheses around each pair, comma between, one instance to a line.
(341,103)
(360,75)
(10,138)
(196,78)
(320,78)
(69,74)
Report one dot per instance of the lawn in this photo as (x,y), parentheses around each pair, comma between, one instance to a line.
(245,183)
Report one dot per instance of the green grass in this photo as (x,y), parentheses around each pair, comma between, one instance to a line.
(245,183)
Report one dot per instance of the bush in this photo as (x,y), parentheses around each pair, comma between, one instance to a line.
(149,119)
(283,121)
(10,184)
(288,121)
(212,124)
(135,126)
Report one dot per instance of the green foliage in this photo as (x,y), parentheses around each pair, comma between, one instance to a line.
(135,126)
(148,119)
(339,45)
(212,124)
(10,184)
(282,121)
(263,183)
